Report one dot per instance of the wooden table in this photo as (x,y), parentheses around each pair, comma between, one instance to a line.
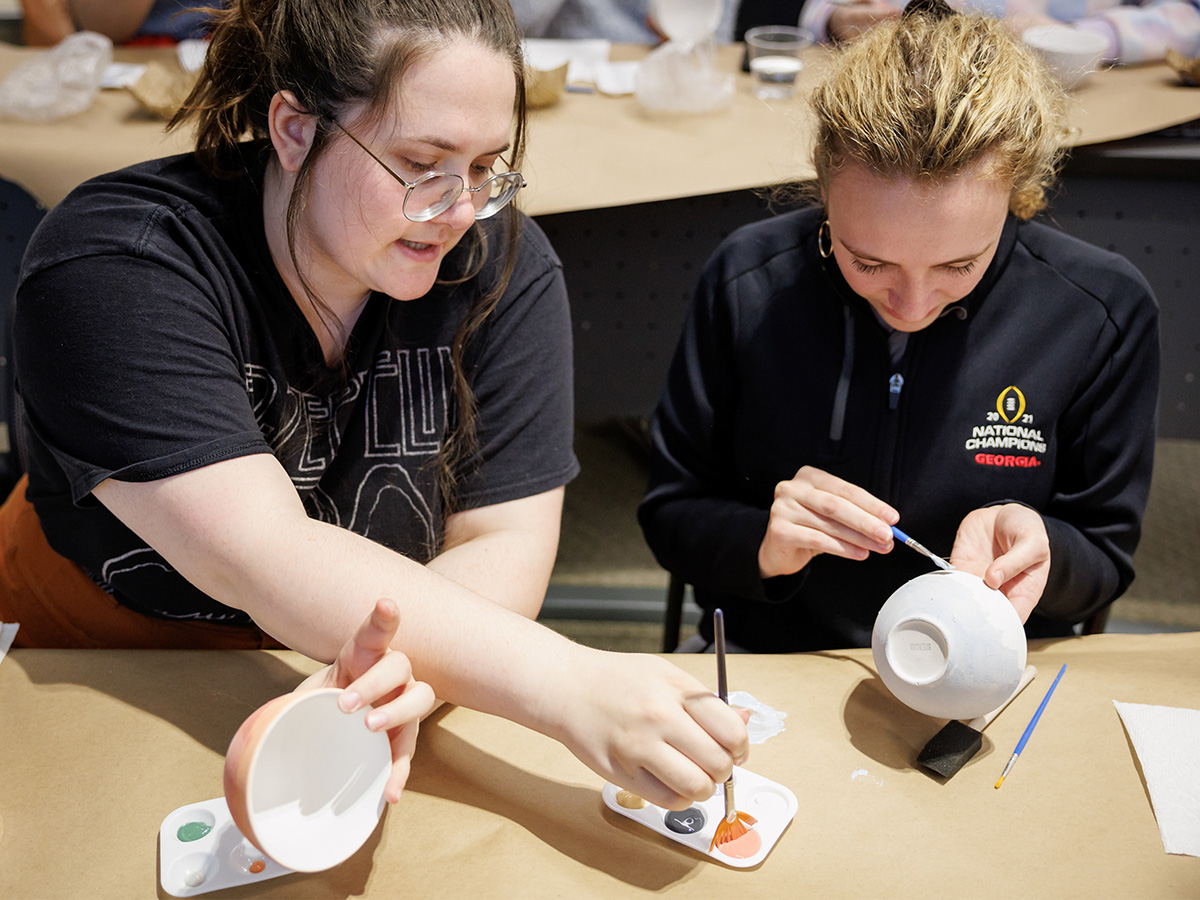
(97,747)
(588,151)
(635,203)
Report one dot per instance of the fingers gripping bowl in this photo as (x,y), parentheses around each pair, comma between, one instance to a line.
(947,645)
(304,781)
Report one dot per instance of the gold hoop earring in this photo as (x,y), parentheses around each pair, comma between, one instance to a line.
(824,240)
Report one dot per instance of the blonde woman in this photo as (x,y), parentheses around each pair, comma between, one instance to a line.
(911,350)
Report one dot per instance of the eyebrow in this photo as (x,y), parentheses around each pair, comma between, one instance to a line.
(453,148)
(949,262)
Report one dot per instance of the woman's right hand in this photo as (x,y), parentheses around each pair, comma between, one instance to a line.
(816,512)
(648,726)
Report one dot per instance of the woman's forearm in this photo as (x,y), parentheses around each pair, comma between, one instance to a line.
(238,531)
(505,552)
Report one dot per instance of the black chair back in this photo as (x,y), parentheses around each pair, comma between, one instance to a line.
(20,214)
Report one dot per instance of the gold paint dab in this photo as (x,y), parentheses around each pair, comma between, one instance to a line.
(629,800)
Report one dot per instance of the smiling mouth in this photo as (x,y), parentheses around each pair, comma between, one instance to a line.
(415,245)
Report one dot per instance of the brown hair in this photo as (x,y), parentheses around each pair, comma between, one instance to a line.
(931,93)
(332,54)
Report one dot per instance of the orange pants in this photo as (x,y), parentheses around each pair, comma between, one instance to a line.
(57,605)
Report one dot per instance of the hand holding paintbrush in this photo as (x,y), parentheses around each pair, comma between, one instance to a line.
(734,823)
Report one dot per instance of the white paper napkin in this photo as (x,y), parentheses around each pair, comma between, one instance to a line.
(764,723)
(1167,741)
(8,631)
(617,79)
(121,75)
(584,56)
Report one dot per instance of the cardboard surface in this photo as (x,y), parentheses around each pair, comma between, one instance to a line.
(97,747)
(589,150)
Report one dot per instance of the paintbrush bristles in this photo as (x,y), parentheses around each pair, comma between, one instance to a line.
(730,831)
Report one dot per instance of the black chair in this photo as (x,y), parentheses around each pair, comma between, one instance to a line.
(20,214)
(673,618)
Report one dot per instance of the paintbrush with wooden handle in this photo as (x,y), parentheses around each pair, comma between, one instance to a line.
(734,824)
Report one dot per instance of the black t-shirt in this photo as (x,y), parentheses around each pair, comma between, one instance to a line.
(155,336)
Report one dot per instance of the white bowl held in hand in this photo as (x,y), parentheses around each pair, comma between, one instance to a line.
(1071,53)
(304,781)
(947,645)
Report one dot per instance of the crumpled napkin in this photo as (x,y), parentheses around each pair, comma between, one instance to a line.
(764,723)
(1167,742)
(58,82)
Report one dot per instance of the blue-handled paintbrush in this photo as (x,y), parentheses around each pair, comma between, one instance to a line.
(1029,728)
(920,548)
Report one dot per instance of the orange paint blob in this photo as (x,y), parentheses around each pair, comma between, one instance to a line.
(744,847)
(257,866)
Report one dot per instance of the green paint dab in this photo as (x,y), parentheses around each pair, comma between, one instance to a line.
(192,831)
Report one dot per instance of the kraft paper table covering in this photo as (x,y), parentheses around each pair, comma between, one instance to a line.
(97,747)
(589,151)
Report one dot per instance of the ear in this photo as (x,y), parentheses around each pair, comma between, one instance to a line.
(291,128)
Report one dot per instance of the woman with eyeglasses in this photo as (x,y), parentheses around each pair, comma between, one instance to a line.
(911,350)
(310,386)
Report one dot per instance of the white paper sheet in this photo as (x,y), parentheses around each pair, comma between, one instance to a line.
(1167,742)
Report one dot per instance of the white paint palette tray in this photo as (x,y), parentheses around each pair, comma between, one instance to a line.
(200,849)
(771,804)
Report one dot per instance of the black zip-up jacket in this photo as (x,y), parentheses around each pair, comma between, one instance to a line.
(1039,387)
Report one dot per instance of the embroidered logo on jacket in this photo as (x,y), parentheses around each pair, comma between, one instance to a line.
(1009,427)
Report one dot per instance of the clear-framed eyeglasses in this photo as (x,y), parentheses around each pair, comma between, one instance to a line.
(435,192)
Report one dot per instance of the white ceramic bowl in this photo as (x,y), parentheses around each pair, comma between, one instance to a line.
(1071,53)
(947,645)
(304,781)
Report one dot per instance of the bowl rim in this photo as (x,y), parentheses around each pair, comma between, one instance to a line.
(378,752)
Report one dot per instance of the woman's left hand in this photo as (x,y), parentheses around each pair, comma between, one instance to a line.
(370,672)
(1008,547)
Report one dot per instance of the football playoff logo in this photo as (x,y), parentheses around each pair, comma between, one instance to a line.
(1011,404)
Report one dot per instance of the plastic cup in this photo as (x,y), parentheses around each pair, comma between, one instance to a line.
(774,55)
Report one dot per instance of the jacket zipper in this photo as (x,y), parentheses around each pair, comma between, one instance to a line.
(895,386)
